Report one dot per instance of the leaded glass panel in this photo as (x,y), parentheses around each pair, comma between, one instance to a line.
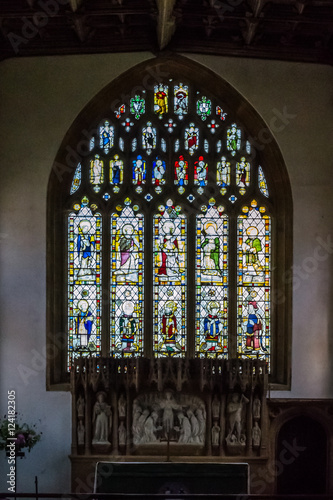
(211,338)
(84,281)
(169,281)
(126,317)
(254,283)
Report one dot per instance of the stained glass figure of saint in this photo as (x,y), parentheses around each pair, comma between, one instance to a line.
(128,327)
(242,175)
(149,138)
(96,173)
(213,328)
(83,323)
(106,135)
(161,99)
(181,173)
(116,171)
(233,139)
(191,138)
(127,247)
(85,248)
(223,174)
(158,172)
(200,172)
(181,100)
(139,171)
(169,329)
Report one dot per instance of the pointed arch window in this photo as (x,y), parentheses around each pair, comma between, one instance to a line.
(177,226)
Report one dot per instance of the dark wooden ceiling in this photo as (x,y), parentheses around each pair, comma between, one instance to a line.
(292,30)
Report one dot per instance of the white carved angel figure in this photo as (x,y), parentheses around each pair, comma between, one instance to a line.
(102,419)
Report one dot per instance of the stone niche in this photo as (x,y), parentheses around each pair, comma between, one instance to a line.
(169,407)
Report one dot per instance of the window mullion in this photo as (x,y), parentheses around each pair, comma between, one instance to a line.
(232,309)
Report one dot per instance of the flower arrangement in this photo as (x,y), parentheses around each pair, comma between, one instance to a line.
(26,436)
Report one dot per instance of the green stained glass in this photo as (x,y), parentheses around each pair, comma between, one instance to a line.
(84,282)
(127,270)
(169,281)
(212,283)
(254,283)
(233,139)
(137,106)
(204,108)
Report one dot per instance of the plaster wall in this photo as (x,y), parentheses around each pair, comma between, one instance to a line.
(40,98)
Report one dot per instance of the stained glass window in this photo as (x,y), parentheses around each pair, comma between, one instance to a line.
(223,174)
(184,274)
(200,173)
(233,139)
(116,172)
(96,173)
(158,174)
(181,100)
(181,174)
(262,182)
(242,175)
(191,138)
(106,137)
(126,318)
(76,179)
(161,99)
(254,282)
(84,281)
(169,281)
(212,282)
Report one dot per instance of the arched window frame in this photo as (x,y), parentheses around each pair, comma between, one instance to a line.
(75,148)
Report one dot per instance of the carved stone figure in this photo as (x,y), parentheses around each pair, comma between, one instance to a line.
(122,434)
(168,405)
(194,427)
(184,428)
(80,407)
(80,433)
(102,419)
(202,424)
(122,406)
(150,428)
(215,408)
(256,435)
(216,434)
(234,411)
(256,408)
